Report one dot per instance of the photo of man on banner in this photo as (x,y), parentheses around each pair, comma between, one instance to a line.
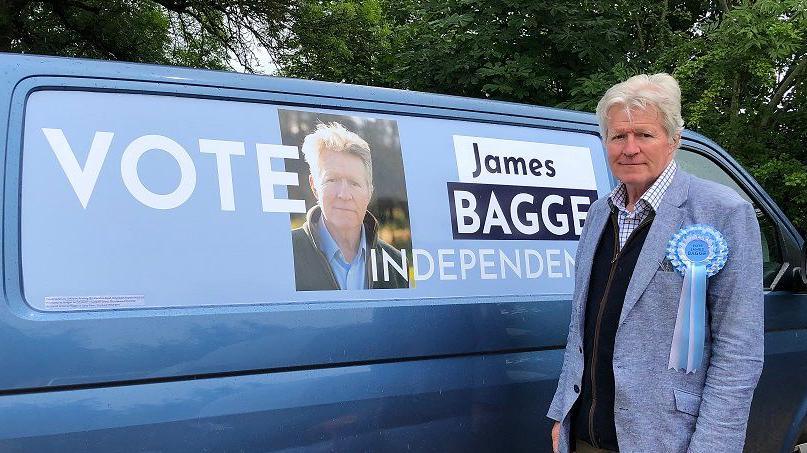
(338,245)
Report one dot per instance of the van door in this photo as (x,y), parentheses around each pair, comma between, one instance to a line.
(780,400)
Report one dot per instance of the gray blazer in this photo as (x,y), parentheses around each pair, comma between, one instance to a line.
(657,409)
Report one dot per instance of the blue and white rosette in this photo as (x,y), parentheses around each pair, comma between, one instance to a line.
(697,252)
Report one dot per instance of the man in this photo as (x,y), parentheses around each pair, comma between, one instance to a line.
(618,389)
(334,247)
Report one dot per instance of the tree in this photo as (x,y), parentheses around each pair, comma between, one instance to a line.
(339,40)
(194,33)
(743,76)
(516,50)
(742,64)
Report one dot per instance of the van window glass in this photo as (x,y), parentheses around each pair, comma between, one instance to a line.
(705,168)
(132,200)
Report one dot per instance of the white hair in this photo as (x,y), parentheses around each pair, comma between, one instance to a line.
(659,90)
(334,137)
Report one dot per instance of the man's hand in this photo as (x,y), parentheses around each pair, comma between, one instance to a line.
(555,436)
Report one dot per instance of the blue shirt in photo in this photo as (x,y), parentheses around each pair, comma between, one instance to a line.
(348,275)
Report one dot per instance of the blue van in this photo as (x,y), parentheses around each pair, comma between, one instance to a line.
(164,286)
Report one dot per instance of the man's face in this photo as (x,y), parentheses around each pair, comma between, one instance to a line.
(638,146)
(343,192)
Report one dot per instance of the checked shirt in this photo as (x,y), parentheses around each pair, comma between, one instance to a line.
(648,202)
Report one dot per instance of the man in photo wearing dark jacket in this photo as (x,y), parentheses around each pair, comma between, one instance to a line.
(338,245)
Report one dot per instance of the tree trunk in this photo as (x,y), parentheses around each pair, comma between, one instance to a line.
(734,109)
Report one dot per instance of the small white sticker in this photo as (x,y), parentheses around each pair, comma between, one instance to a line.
(94,302)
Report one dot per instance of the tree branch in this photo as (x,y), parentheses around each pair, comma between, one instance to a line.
(639,33)
(224,22)
(213,29)
(79,5)
(735,98)
(88,33)
(787,82)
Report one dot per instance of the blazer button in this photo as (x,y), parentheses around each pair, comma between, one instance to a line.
(576,389)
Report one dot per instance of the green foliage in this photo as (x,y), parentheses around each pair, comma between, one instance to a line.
(199,33)
(742,64)
(744,86)
(786,179)
(95,29)
(338,40)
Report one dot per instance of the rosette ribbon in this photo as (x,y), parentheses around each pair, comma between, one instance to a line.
(697,252)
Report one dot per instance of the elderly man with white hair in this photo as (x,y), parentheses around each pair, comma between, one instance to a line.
(338,245)
(665,343)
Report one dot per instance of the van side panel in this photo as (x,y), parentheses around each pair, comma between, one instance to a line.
(471,370)
(490,402)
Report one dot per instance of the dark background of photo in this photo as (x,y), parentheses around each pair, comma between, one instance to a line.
(389,203)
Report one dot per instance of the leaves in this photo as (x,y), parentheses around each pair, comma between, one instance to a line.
(739,68)
(338,40)
(187,32)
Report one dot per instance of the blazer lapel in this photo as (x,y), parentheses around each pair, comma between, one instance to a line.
(667,221)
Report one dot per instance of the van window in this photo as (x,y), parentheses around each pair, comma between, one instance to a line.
(140,200)
(705,168)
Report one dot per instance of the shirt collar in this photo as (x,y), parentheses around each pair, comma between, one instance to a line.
(329,246)
(652,196)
